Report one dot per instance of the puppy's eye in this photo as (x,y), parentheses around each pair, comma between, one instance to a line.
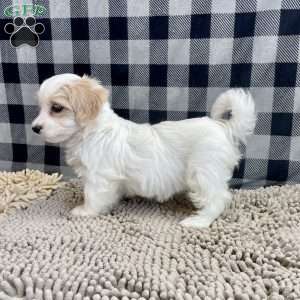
(56,108)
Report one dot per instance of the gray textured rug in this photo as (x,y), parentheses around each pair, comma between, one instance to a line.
(140,251)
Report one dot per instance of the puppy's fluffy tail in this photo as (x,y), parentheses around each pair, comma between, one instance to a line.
(241,107)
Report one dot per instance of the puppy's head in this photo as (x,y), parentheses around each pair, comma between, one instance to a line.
(68,103)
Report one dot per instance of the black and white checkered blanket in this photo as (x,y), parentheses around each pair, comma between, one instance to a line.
(161,60)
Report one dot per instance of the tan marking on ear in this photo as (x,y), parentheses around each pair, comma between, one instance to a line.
(86,97)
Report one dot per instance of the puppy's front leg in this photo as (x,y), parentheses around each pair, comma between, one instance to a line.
(98,199)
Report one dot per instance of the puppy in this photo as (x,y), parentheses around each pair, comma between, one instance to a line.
(115,157)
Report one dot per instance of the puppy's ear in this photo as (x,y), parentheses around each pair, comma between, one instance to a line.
(86,97)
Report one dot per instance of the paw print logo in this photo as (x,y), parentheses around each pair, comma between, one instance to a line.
(24,31)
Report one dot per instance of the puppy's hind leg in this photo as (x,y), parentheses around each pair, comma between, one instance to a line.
(207,176)
(209,207)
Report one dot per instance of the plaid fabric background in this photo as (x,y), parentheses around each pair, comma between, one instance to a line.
(163,60)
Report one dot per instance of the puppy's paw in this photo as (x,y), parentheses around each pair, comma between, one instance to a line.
(197,221)
(82,211)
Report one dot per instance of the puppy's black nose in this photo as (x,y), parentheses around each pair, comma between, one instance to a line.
(37,129)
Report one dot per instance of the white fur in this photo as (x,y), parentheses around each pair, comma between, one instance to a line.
(116,157)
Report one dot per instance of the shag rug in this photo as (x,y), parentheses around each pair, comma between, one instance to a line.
(19,189)
(141,252)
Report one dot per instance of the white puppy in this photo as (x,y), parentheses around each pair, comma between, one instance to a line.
(116,157)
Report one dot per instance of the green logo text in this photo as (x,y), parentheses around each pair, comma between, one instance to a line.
(25,10)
